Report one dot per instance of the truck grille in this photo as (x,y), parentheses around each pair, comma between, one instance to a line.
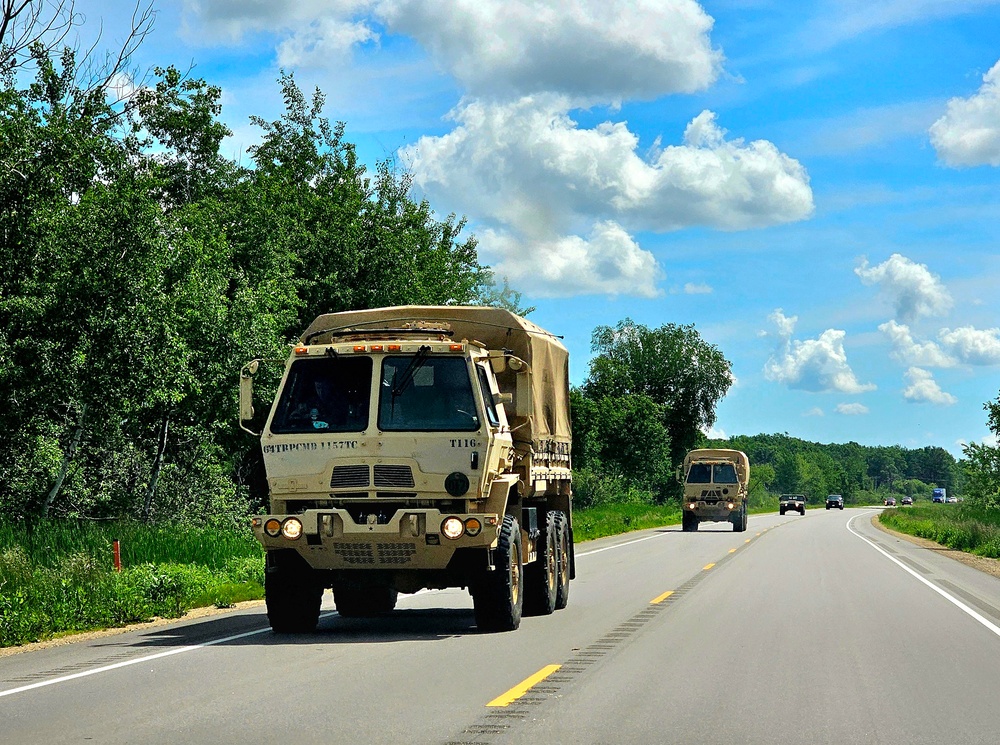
(398,476)
(348,477)
(354,553)
(394,554)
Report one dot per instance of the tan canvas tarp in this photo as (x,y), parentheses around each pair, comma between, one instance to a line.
(497,329)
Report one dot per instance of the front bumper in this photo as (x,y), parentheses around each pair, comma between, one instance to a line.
(410,539)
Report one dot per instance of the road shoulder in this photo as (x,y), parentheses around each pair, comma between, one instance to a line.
(982,563)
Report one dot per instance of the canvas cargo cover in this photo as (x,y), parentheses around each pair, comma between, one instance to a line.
(497,328)
(737,456)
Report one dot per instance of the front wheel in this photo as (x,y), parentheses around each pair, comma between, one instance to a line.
(291,593)
(740,520)
(498,598)
(689,522)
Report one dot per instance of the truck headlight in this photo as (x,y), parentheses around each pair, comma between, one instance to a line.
(291,528)
(692,505)
(452,528)
(731,505)
(473,526)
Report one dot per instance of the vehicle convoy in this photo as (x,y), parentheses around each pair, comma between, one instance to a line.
(788,502)
(417,447)
(715,488)
(834,501)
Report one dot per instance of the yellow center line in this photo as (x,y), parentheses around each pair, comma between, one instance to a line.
(523,687)
(732,550)
(660,598)
(747,540)
(708,567)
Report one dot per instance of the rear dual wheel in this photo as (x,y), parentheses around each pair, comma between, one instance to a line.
(541,578)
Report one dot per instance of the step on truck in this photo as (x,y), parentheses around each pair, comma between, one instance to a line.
(417,447)
(715,488)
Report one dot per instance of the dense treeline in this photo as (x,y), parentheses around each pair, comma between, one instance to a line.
(141,269)
(861,474)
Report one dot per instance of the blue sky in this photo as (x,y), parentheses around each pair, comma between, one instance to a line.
(812,185)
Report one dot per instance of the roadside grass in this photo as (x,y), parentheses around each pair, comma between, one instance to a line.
(59,576)
(964,527)
(613,519)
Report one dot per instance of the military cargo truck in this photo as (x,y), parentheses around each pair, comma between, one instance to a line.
(715,488)
(417,447)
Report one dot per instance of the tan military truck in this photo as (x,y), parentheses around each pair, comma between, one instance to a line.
(715,488)
(417,447)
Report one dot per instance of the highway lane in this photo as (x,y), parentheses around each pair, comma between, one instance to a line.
(796,631)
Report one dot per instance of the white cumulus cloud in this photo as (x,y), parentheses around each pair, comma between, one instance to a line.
(969,132)
(923,388)
(914,291)
(590,50)
(529,165)
(852,409)
(608,261)
(911,352)
(816,365)
(973,346)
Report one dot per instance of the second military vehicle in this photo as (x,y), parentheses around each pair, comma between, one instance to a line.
(417,447)
(715,488)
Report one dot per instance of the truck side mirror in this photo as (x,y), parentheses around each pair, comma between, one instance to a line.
(503,398)
(246,395)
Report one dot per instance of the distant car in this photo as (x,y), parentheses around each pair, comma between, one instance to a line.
(952,500)
(890,501)
(788,502)
(906,500)
(835,500)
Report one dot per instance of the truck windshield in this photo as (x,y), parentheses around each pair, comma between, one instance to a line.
(724,473)
(437,398)
(329,394)
(709,473)
(700,473)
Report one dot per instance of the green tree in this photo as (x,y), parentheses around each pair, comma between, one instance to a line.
(672,365)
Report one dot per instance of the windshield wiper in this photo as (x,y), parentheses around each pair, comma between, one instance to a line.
(409,373)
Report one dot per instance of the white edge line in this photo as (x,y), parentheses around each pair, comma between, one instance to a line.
(955,601)
(138,660)
(621,545)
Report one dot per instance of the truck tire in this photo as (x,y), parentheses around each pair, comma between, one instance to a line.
(291,593)
(499,598)
(802,511)
(782,511)
(739,520)
(689,522)
(364,602)
(564,550)
(541,578)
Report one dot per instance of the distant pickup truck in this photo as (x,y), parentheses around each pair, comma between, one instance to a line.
(834,501)
(787,502)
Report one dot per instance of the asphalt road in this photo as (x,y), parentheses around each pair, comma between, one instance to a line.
(814,629)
